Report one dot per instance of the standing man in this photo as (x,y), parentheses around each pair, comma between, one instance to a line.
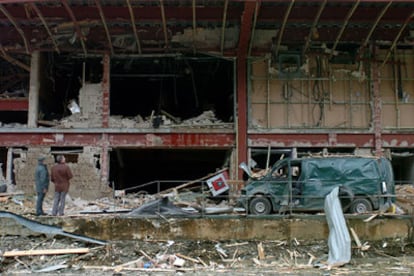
(42,184)
(61,174)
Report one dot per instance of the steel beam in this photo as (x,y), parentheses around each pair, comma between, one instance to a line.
(77,138)
(377,108)
(223,27)
(394,43)
(49,32)
(13,61)
(282,29)
(14,104)
(377,20)
(256,13)
(348,17)
(314,26)
(106,91)
(312,140)
(245,36)
(76,24)
(16,25)
(164,24)
(194,16)
(102,15)
(135,140)
(134,28)
(172,140)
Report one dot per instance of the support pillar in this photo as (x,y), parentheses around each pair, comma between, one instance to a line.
(34,90)
(9,167)
(105,119)
(104,159)
(241,114)
(242,52)
(377,112)
(106,91)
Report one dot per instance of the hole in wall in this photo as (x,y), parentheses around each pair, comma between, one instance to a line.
(162,168)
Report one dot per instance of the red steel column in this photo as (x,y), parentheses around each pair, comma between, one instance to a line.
(245,36)
(377,112)
(105,91)
(241,114)
(104,143)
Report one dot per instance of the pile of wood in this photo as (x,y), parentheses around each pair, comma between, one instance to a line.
(405,197)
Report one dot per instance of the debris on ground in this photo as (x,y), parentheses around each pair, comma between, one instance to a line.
(405,197)
(201,257)
(146,257)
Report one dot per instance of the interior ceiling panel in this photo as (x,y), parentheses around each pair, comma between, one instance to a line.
(89,27)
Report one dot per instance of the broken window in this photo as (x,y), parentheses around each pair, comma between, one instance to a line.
(161,169)
(14,91)
(172,90)
(62,78)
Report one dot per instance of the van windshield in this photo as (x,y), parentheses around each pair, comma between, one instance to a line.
(277,168)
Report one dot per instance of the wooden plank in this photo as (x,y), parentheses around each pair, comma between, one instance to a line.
(46,252)
(192,182)
(11,194)
(356,238)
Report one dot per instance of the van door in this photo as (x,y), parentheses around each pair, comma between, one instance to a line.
(320,177)
(287,183)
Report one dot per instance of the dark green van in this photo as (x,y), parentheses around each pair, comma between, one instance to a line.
(366,183)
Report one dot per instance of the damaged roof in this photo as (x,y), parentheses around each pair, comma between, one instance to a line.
(225,28)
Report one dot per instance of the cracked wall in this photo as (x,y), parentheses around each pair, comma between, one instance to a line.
(86,183)
(91,103)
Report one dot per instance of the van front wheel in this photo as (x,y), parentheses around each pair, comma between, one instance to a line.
(361,205)
(260,205)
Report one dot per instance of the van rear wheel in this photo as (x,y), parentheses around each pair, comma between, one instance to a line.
(260,205)
(361,205)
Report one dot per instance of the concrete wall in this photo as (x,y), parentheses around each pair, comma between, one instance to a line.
(85,184)
(90,103)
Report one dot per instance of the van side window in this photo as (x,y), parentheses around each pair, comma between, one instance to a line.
(280,172)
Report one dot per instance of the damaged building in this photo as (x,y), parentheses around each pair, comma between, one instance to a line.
(163,92)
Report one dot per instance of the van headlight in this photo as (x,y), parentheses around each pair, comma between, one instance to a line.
(384,187)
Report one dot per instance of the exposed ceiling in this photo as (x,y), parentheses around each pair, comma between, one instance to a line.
(224,28)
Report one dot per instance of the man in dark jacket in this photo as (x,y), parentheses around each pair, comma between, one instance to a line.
(61,174)
(42,185)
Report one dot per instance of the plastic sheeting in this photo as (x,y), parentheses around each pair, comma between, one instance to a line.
(47,229)
(339,241)
(161,206)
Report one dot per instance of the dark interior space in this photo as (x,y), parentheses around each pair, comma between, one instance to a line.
(3,161)
(261,157)
(71,153)
(64,76)
(182,86)
(172,167)
(14,83)
(403,167)
(11,117)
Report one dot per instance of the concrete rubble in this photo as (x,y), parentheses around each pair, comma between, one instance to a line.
(184,256)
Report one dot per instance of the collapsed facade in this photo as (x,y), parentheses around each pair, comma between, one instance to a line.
(135,92)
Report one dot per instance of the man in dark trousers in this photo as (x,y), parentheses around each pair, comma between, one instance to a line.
(61,174)
(42,184)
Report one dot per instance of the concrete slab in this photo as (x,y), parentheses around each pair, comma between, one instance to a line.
(314,227)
